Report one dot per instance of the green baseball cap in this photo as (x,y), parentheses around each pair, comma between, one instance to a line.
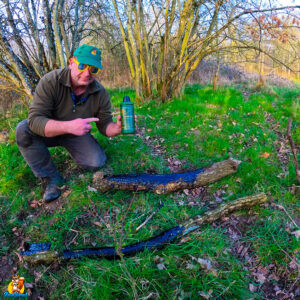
(89,55)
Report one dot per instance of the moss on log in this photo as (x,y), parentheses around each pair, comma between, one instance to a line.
(161,184)
(43,258)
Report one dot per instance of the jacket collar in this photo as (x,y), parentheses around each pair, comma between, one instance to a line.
(65,79)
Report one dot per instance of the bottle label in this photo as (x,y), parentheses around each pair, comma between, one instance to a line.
(128,125)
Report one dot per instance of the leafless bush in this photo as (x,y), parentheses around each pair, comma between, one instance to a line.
(115,73)
(9,99)
(232,73)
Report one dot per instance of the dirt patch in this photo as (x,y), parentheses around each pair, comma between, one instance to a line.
(57,204)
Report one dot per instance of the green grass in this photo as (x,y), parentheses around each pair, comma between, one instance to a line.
(202,127)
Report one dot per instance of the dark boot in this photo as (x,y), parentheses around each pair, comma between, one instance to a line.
(52,190)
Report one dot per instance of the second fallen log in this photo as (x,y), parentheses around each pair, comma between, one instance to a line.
(161,183)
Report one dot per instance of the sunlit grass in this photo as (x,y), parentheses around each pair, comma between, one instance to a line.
(201,127)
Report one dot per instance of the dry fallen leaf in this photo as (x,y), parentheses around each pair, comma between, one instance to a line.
(28,285)
(161,266)
(205,295)
(186,191)
(38,276)
(190,266)
(66,193)
(296,234)
(35,203)
(293,264)
(185,239)
(97,224)
(204,263)
(177,162)
(260,277)
(273,277)
(252,288)
(265,155)
(91,189)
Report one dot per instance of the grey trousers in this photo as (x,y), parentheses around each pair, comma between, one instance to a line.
(84,150)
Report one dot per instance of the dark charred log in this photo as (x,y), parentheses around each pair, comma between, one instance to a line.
(162,184)
(41,254)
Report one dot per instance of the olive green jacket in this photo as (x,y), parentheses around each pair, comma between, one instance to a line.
(53,101)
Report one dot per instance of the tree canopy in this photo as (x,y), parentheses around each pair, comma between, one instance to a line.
(164,41)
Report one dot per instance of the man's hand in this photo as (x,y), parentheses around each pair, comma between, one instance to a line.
(81,126)
(77,127)
(114,129)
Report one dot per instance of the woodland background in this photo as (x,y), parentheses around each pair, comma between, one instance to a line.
(156,47)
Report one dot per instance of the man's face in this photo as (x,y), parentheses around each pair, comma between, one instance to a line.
(80,78)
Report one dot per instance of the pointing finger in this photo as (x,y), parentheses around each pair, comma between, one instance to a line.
(89,120)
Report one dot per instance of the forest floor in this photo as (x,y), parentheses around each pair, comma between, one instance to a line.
(250,254)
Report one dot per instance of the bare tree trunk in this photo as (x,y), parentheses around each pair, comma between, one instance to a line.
(57,33)
(49,34)
(216,74)
(32,47)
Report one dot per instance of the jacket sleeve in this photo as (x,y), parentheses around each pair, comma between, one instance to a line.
(41,109)
(104,112)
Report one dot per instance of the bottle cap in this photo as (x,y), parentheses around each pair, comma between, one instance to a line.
(126,99)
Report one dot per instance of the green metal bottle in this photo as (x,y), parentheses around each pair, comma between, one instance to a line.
(127,114)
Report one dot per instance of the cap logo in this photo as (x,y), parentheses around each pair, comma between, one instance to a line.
(94,52)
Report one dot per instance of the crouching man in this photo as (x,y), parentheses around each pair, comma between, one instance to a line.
(66,102)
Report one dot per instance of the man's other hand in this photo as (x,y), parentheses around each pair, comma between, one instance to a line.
(119,118)
(114,129)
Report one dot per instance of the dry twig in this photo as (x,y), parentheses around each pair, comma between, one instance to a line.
(150,216)
(281,207)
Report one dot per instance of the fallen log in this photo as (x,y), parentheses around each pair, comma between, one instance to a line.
(225,209)
(162,184)
(41,254)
